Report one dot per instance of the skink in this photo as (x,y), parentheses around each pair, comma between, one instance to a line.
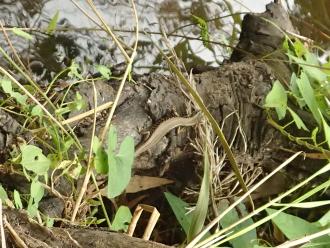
(164,128)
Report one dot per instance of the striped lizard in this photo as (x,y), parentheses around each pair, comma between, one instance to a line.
(164,128)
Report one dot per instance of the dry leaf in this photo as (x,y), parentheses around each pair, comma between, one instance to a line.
(140,183)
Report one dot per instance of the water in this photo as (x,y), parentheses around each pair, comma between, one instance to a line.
(46,55)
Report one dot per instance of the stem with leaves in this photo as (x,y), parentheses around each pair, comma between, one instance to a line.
(211,120)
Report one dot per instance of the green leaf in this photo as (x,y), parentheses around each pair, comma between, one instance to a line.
(3,194)
(323,100)
(7,88)
(295,91)
(49,222)
(277,98)
(294,227)
(36,194)
(245,240)
(326,130)
(113,177)
(112,140)
(100,158)
(17,200)
(179,208)
(314,135)
(313,71)
(324,221)
(291,226)
(6,85)
(204,30)
(126,151)
(63,110)
(286,46)
(68,142)
(200,212)
(34,160)
(120,167)
(36,191)
(307,93)
(32,209)
(79,102)
(21,99)
(37,111)
(105,71)
(326,68)
(21,33)
(4,197)
(297,120)
(74,70)
(53,23)
(122,219)
(299,48)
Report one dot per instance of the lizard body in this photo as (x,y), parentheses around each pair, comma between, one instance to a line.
(164,128)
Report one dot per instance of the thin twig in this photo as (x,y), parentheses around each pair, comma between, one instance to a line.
(79,117)
(40,105)
(87,113)
(105,27)
(27,77)
(73,240)
(199,101)
(99,195)
(253,188)
(128,69)
(12,47)
(14,234)
(308,238)
(2,230)
(86,14)
(113,36)
(89,165)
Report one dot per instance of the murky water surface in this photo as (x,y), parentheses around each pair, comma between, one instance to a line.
(81,40)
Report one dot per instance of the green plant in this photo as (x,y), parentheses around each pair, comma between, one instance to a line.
(193,222)
(34,163)
(117,166)
(294,227)
(308,91)
(122,219)
(204,30)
